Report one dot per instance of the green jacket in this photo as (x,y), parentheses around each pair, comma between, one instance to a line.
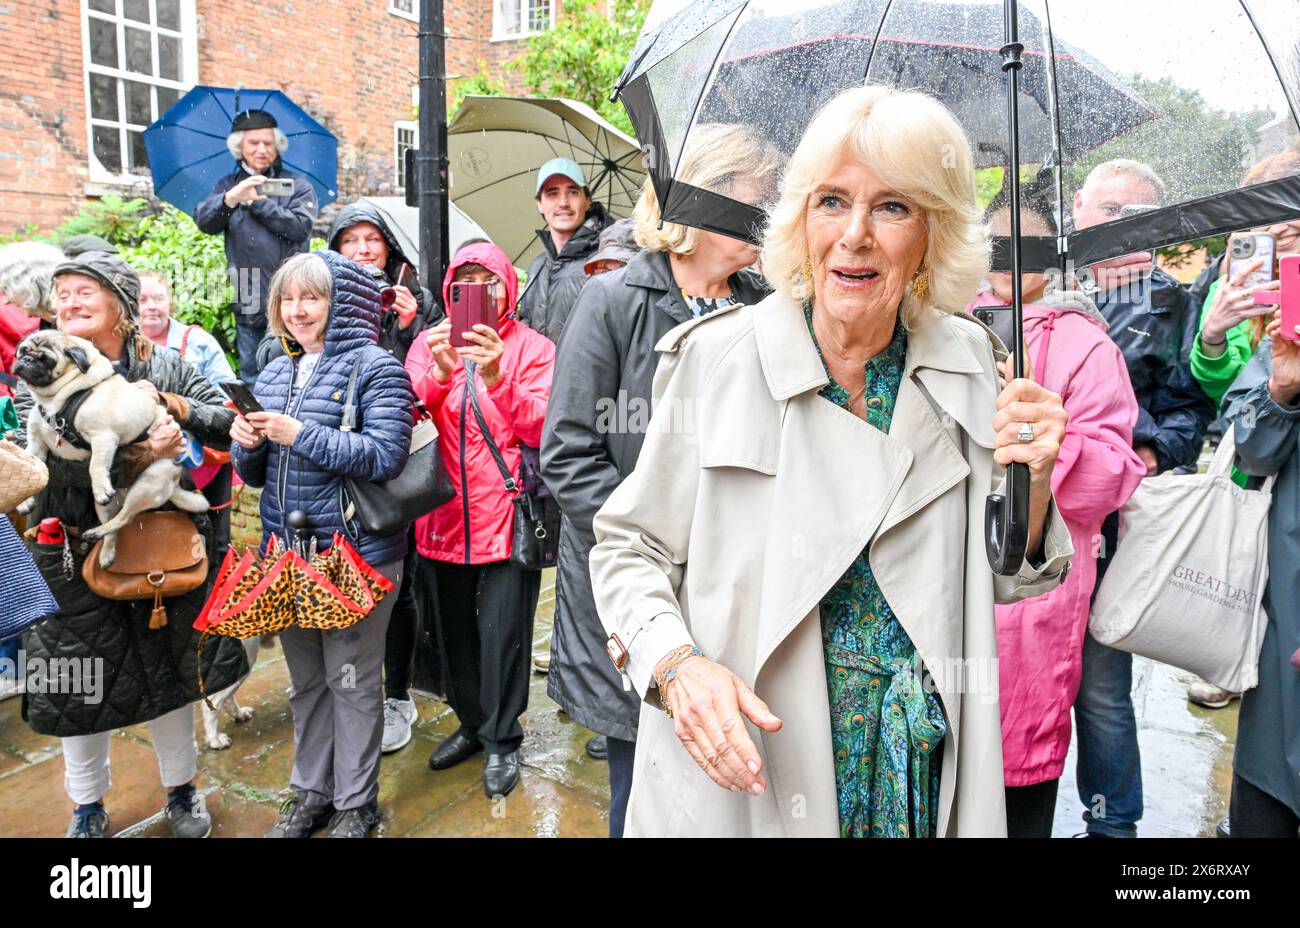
(1216,375)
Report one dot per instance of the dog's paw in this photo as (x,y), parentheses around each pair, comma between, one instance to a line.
(103,499)
(243,714)
(220,742)
(26,506)
(92,534)
(106,557)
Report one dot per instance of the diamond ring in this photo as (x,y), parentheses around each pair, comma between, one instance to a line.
(1025,432)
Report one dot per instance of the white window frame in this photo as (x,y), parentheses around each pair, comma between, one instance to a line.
(398,127)
(499,34)
(398,11)
(189,77)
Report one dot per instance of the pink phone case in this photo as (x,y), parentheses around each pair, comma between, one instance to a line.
(1288,296)
(471,305)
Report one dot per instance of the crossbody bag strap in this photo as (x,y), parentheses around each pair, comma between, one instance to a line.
(185,339)
(512,485)
(349,421)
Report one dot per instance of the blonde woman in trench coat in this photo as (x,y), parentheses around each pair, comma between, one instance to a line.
(754,494)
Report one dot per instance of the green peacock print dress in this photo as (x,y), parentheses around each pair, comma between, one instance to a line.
(886,730)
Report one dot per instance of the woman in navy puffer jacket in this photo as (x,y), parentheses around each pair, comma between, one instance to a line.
(326,311)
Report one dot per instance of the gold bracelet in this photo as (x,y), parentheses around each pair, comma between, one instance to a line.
(668,673)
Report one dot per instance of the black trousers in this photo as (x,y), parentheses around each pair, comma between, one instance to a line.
(403,629)
(485,623)
(1253,813)
(1030,809)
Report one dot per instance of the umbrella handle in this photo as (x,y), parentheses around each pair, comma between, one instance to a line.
(1006,522)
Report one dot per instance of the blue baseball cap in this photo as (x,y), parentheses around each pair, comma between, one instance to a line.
(564,166)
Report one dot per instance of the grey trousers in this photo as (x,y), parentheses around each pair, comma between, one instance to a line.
(337,698)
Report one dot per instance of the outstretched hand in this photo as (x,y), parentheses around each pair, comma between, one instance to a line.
(710,705)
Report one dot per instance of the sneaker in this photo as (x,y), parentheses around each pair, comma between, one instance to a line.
(88,822)
(187,814)
(354,823)
(1209,695)
(542,662)
(399,716)
(298,819)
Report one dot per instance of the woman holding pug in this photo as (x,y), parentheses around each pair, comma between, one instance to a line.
(486,603)
(138,674)
(325,309)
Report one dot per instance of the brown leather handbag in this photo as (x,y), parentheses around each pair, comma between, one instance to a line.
(159,555)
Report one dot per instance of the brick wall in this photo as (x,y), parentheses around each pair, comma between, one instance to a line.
(245,518)
(42,113)
(351,65)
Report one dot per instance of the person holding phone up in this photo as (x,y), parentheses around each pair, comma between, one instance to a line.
(486,603)
(265,211)
(361,232)
(326,310)
(1263,406)
(1232,324)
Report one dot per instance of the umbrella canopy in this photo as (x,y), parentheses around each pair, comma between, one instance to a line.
(404,222)
(187,144)
(1187,93)
(496,144)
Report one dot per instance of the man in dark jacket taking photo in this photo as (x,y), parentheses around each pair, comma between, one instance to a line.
(261,231)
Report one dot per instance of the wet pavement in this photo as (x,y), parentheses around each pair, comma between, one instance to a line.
(1186,763)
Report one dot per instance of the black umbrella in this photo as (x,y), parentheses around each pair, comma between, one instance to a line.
(1018,78)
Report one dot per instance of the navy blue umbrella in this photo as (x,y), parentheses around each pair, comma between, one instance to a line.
(187,144)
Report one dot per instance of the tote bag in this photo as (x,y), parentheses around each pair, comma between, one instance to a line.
(1188,575)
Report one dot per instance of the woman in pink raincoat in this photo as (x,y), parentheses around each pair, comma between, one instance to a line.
(1040,640)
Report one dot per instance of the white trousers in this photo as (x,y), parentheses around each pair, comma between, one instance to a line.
(86,775)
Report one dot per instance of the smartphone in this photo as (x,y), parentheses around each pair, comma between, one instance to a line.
(1000,319)
(471,304)
(1248,247)
(276,187)
(1289,274)
(405,278)
(241,396)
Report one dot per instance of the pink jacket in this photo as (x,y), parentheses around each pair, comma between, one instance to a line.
(1040,640)
(475,527)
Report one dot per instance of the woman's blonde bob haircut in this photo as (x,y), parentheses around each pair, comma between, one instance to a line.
(913,144)
(719,156)
(308,271)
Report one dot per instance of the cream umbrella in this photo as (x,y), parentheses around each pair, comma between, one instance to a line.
(496,144)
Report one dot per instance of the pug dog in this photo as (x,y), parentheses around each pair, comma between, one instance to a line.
(58,367)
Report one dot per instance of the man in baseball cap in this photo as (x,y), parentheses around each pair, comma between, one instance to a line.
(573,226)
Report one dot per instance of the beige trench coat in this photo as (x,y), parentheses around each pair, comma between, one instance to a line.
(751,497)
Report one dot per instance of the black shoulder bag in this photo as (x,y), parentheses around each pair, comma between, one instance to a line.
(535,541)
(421,487)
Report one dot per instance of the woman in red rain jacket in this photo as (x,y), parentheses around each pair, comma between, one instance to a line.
(486,604)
